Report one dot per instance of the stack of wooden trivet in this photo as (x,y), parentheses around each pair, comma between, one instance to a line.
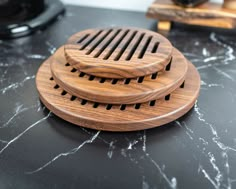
(118,79)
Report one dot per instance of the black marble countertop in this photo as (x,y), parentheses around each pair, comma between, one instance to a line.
(40,150)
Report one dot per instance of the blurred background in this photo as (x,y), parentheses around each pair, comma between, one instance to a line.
(135,5)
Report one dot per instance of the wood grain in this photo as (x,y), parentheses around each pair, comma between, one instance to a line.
(116,91)
(117,117)
(164,25)
(230,4)
(207,14)
(118,52)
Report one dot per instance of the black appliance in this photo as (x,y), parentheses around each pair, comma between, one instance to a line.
(22,17)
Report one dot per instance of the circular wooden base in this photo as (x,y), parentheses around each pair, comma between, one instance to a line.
(117,117)
(118,52)
(119,91)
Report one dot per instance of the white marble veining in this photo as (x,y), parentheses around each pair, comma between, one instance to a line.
(144,147)
(22,133)
(15,85)
(171,182)
(205,52)
(205,85)
(3,141)
(213,58)
(70,152)
(223,73)
(132,147)
(36,56)
(145,184)
(224,59)
(222,175)
(19,110)
(188,131)
(210,152)
(229,55)
(51,47)
(111,149)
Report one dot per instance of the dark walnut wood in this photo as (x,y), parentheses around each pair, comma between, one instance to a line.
(119,91)
(207,14)
(118,52)
(230,4)
(117,117)
(118,80)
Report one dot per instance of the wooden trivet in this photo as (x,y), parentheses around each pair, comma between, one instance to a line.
(118,99)
(118,52)
(119,91)
(117,117)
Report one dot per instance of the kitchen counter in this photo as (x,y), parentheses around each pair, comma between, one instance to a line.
(39,150)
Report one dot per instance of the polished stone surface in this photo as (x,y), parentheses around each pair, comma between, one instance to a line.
(40,150)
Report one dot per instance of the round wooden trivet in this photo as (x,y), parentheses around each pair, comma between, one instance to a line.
(118,52)
(119,91)
(117,117)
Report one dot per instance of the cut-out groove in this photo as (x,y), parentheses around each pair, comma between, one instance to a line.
(73,70)
(127,81)
(125,46)
(154,75)
(89,41)
(107,43)
(140,79)
(155,47)
(115,46)
(82,74)
(142,52)
(109,106)
(102,80)
(114,81)
(63,93)
(95,105)
(83,102)
(128,51)
(116,120)
(91,77)
(182,85)
(169,65)
(83,38)
(152,103)
(98,42)
(137,106)
(56,86)
(123,107)
(73,98)
(131,53)
(167,97)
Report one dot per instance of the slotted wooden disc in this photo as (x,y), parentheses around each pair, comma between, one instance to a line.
(117,117)
(118,52)
(122,91)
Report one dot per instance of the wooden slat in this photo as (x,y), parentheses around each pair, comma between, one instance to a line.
(114,119)
(115,92)
(117,65)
